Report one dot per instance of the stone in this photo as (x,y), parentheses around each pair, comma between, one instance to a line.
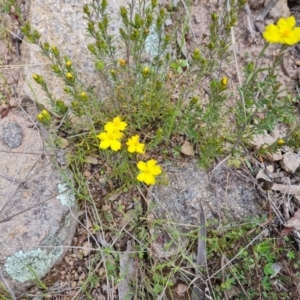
(91,160)
(12,134)
(290,162)
(296,200)
(225,196)
(67,31)
(264,179)
(187,149)
(280,9)
(255,4)
(37,207)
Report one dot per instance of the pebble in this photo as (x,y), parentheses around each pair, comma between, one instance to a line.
(297,63)
(91,160)
(12,134)
(101,271)
(82,277)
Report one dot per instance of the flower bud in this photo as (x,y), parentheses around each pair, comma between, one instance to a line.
(99,65)
(153,3)
(56,69)
(38,79)
(91,48)
(46,46)
(196,55)
(83,96)
(46,114)
(122,62)
(214,16)
(86,9)
(55,51)
(146,72)
(70,76)
(68,64)
(224,81)
(123,12)
(40,117)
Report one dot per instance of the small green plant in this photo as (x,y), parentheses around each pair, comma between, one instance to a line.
(256,259)
(179,65)
(4,293)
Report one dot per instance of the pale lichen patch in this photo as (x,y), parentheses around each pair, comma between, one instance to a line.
(24,266)
(66,195)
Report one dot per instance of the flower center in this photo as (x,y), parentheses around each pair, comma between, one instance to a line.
(286,32)
(148,171)
(111,137)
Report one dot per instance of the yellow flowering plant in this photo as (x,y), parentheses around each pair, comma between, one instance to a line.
(111,138)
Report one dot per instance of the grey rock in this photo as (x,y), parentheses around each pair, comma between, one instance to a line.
(37,208)
(223,197)
(67,31)
(296,200)
(290,162)
(12,134)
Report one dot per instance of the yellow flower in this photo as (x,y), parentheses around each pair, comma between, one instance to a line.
(284,32)
(149,170)
(134,145)
(115,125)
(110,139)
(281,142)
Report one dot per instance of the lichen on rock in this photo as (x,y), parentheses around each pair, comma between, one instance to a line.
(66,195)
(24,266)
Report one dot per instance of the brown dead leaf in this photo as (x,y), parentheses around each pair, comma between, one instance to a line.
(283,188)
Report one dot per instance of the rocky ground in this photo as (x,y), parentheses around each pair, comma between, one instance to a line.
(65,281)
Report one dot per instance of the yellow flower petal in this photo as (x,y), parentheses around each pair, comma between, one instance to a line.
(287,23)
(115,145)
(144,177)
(156,170)
(104,144)
(141,165)
(102,136)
